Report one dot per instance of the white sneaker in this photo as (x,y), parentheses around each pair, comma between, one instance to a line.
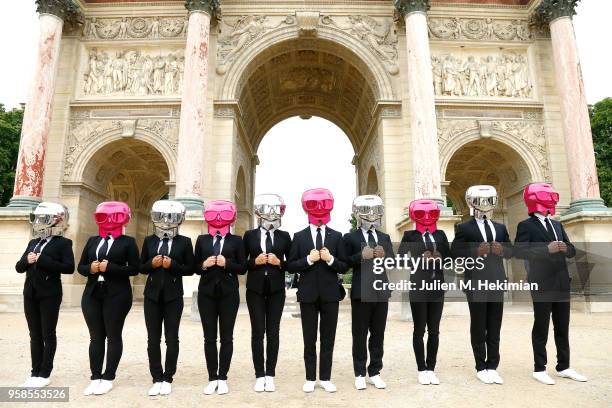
(378,382)
(495,377)
(260,384)
(104,387)
(424,378)
(154,390)
(360,383)
(28,383)
(166,388)
(270,387)
(91,387)
(483,375)
(222,387)
(571,374)
(328,386)
(41,382)
(433,378)
(308,386)
(543,377)
(210,388)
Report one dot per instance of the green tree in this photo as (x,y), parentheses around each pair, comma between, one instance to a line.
(601,123)
(10,131)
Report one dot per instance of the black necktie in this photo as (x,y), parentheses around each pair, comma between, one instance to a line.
(319,239)
(164,249)
(488,231)
(371,240)
(217,245)
(549,229)
(268,243)
(103,249)
(38,246)
(429,243)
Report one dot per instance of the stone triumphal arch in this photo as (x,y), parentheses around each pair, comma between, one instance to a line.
(138,100)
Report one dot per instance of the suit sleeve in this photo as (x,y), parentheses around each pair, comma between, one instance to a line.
(506,243)
(186,267)
(524,248)
(132,264)
(461,247)
(297,262)
(352,254)
(22,264)
(66,263)
(197,258)
(339,265)
(250,260)
(388,247)
(84,265)
(285,255)
(146,261)
(237,265)
(444,246)
(571,249)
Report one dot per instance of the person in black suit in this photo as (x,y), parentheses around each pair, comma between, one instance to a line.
(545,246)
(481,237)
(46,257)
(108,260)
(219,256)
(430,245)
(166,257)
(317,254)
(267,249)
(369,307)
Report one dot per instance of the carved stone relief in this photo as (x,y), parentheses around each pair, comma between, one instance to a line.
(479,29)
(133,72)
(123,28)
(495,74)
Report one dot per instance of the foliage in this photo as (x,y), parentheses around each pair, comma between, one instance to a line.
(10,131)
(601,123)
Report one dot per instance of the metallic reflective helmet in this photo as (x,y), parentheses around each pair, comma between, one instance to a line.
(368,210)
(269,209)
(167,215)
(49,219)
(482,200)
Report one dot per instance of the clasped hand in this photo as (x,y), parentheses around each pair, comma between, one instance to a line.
(161,261)
(557,246)
(270,258)
(218,260)
(98,266)
(376,252)
(323,254)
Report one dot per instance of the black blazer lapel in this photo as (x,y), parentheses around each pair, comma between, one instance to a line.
(476,231)
(540,227)
(308,238)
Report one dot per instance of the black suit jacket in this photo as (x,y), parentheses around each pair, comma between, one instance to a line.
(43,276)
(319,280)
(465,245)
(169,280)
(549,271)
(412,242)
(225,279)
(123,262)
(363,275)
(281,244)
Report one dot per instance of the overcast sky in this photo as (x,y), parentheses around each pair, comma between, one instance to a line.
(290,144)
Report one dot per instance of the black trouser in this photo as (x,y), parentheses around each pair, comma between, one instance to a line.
(105,316)
(426,315)
(218,313)
(539,334)
(309,313)
(485,326)
(368,317)
(265,312)
(169,314)
(41,315)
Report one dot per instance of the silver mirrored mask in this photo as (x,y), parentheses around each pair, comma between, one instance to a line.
(368,210)
(167,216)
(269,210)
(49,219)
(482,200)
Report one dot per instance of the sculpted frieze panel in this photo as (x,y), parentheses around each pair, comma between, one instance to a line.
(479,29)
(96,28)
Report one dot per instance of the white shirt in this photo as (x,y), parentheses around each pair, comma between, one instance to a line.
(110,244)
(214,239)
(161,241)
(44,243)
(543,221)
(365,234)
(263,237)
(313,234)
(481,227)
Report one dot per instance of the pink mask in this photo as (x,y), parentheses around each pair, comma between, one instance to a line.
(220,215)
(318,204)
(540,198)
(425,214)
(112,217)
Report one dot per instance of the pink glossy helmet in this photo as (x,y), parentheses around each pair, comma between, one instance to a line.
(540,198)
(112,217)
(220,215)
(318,204)
(425,213)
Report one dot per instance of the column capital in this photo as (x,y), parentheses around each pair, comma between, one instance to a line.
(210,7)
(64,9)
(550,10)
(405,7)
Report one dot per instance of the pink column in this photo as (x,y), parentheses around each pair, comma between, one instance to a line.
(193,105)
(421,104)
(37,115)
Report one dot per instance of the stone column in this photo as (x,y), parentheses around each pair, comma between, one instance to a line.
(194,103)
(584,184)
(421,104)
(39,104)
